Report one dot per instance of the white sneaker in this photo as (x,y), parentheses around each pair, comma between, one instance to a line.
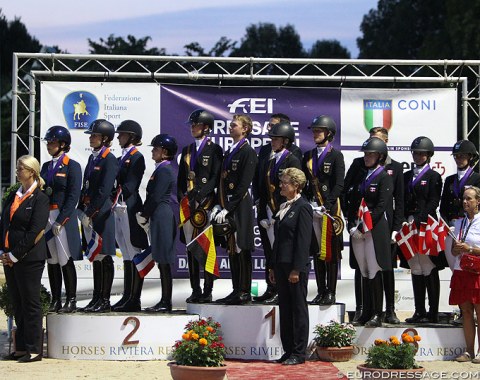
(465,357)
(476,360)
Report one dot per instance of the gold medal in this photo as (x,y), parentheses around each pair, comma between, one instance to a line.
(191,175)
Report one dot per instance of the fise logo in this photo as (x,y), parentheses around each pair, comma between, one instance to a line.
(80,109)
(377,113)
(252,105)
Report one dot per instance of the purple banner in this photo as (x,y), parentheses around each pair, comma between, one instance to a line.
(300,104)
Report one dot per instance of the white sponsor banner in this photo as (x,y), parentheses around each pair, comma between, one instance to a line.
(76,104)
(407,115)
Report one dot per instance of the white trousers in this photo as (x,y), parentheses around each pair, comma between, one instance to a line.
(365,254)
(122,232)
(421,265)
(58,245)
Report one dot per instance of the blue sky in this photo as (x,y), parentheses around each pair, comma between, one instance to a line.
(173,24)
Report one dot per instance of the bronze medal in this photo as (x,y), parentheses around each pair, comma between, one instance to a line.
(191,175)
(48,191)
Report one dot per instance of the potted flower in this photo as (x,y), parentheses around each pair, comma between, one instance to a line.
(334,341)
(201,352)
(392,358)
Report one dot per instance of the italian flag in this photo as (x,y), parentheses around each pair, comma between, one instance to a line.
(377,113)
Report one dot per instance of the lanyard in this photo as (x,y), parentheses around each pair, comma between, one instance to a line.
(131,152)
(458,186)
(463,236)
(195,153)
(228,159)
(412,182)
(277,165)
(95,161)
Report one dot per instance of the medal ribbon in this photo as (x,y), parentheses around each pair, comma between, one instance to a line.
(196,153)
(228,159)
(163,163)
(103,152)
(130,153)
(53,169)
(318,162)
(457,187)
(412,183)
(463,236)
(314,180)
(276,166)
(366,183)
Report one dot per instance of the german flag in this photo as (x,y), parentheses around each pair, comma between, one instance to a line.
(184,210)
(326,239)
(203,249)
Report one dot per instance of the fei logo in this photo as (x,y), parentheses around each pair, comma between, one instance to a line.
(252,105)
(80,109)
(377,113)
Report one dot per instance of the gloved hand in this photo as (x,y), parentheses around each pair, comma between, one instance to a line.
(319,211)
(355,233)
(215,210)
(265,223)
(56,228)
(392,239)
(221,216)
(85,220)
(142,221)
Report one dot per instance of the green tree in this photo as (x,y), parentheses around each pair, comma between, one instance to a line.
(266,40)
(222,46)
(118,45)
(328,49)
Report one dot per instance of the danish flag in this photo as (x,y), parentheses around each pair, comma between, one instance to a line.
(365,216)
(406,240)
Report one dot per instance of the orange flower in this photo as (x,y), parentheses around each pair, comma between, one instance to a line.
(186,336)
(205,333)
(203,341)
(379,342)
(408,339)
(195,336)
(210,329)
(417,338)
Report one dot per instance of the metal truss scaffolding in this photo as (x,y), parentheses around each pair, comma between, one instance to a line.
(28,68)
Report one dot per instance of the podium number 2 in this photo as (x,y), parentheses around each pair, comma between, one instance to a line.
(136,325)
(272,314)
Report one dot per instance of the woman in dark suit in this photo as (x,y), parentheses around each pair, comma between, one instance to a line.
(157,216)
(95,211)
(290,265)
(23,253)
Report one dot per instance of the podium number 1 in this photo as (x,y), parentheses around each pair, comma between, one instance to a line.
(272,314)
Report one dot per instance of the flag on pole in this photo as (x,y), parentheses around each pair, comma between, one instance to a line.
(144,261)
(405,239)
(184,210)
(94,246)
(365,216)
(203,249)
(326,239)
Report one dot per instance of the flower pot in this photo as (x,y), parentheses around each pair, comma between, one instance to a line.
(335,354)
(384,373)
(186,372)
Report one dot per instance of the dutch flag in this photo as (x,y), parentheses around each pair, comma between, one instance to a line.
(94,246)
(144,262)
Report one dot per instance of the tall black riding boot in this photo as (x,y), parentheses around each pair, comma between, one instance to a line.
(358,296)
(97,287)
(133,303)
(206,297)
(235,269)
(432,282)
(389,289)
(376,291)
(107,281)
(70,278)
(367,309)
(419,289)
(332,273)
(165,304)
(194,273)
(320,274)
(243,295)
(127,285)
(55,279)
